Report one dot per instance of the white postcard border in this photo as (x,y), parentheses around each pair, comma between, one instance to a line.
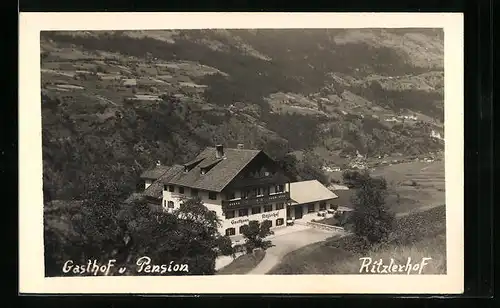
(31,266)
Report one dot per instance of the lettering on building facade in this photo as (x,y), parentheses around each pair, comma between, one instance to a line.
(270,215)
(239,221)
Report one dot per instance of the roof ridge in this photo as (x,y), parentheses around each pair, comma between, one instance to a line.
(313,180)
(228,148)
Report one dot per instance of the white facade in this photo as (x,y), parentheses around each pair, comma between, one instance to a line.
(277,218)
(172,199)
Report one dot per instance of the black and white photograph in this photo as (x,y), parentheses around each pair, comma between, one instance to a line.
(245,152)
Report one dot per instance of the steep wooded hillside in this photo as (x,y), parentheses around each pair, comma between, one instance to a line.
(117,101)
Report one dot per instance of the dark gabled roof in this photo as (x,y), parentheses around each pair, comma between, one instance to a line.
(155,173)
(156,188)
(220,174)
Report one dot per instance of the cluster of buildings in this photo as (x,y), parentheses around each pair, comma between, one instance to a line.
(239,185)
(401,118)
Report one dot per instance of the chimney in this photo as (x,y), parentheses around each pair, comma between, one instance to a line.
(240,146)
(219,151)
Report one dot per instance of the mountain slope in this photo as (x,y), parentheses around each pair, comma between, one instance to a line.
(116,101)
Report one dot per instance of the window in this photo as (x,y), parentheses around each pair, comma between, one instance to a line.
(241,229)
(212,195)
(259,191)
(310,208)
(230,231)
(256,210)
(244,194)
(265,191)
(229,214)
(171,188)
(214,213)
(322,206)
(280,206)
(279,188)
(243,212)
(268,208)
(280,221)
(164,203)
(165,187)
(194,192)
(181,190)
(170,204)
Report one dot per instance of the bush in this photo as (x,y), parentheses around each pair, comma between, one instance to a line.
(352,178)
(255,233)
(224,246)
(238,248)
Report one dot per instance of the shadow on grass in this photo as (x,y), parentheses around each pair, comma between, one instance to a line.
(243,264)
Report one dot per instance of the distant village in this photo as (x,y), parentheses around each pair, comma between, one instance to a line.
(362,162)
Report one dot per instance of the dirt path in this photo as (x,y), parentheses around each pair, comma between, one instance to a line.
(286,243)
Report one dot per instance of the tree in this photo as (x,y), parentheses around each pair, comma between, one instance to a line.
(104,228)
(255,233)
(371,218)
(186,236)
(311,167)
(276,148)
(353,178)
(288,163)
(225,246)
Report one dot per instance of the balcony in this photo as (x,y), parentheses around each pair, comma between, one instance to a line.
(260,200)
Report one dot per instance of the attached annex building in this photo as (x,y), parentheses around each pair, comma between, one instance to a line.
(239,185)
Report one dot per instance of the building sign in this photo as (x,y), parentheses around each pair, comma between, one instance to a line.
(264,216)
(239,221)
(270,215)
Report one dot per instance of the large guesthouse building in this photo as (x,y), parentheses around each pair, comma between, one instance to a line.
(239,185)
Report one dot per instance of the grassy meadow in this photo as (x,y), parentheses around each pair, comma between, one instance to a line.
(415,236)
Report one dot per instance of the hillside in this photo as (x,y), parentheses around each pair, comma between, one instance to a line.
(117,101)
(416,236)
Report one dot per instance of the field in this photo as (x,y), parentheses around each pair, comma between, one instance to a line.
(414,186)
(415,236)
